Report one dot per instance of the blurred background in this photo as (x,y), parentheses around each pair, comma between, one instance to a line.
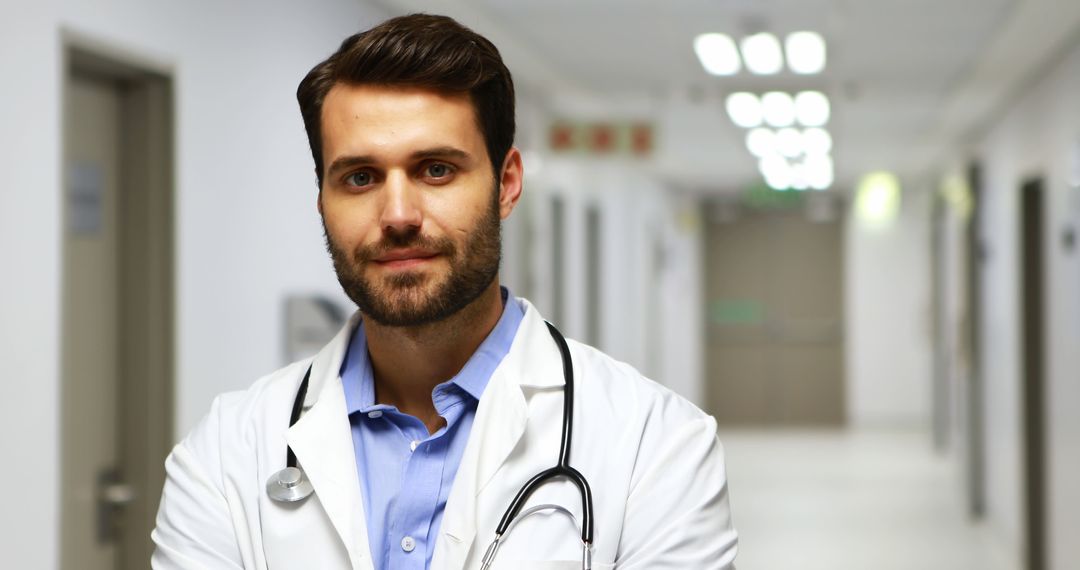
(846,228)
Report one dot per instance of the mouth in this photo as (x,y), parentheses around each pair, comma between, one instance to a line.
(404,258)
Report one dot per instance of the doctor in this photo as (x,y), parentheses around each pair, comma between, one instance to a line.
(443,395)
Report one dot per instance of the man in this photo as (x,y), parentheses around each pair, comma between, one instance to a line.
(443,395)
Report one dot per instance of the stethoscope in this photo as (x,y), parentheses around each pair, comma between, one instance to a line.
(291,484)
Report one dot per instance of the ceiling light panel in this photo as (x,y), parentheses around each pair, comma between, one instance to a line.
(798,177)
(778,109)
(812,108)
(762,54)
(789,142)
(744,109)
(816,141)
(819,171)
(761,142)
(717,53)
(777,172)
(806,53)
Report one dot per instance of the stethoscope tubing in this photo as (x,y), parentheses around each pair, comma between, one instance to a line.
(563,468)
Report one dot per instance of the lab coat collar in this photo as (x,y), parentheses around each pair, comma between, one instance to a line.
(534,360)
(532,365)
(322,442)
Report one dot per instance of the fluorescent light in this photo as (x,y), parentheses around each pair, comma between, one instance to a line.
(816,141)
(744,109)
(812,108)
(777,172)
(717,54)
(762,54)
(805,52)
(789,142)
(877,200)
(779,108)
(761,142)
(819,171)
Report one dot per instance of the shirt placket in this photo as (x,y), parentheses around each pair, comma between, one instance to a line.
(419,493)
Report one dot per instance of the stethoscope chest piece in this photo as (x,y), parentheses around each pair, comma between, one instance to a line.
(289,485)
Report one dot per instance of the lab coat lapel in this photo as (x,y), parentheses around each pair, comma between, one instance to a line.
(322,442)
(501,420)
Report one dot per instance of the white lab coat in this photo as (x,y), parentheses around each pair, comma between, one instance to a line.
(653,461)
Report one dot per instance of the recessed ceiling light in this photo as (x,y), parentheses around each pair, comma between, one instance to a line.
(717,54)
(779,109)
(812,108)
(819,171)
(777,172)
(762,54)
(805,52)
(761,142)
(798,177)
(816,141)
(744,109)
(789,142)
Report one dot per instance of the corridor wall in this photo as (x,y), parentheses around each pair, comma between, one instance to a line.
(1037,135)
(887,314)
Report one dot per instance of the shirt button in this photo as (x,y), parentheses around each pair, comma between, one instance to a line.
(408,544)
(413,444)
(375,415)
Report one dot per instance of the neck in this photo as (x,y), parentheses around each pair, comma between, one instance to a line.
(408,362)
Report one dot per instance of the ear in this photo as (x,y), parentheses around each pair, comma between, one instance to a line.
(318,197)
(510,182)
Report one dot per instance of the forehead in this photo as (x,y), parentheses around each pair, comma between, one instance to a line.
(370,118)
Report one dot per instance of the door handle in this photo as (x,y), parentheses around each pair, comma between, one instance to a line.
(113,496)
(118,495)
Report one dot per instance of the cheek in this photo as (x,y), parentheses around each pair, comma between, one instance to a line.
(348,227)
(456,215)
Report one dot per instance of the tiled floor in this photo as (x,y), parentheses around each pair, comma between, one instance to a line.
(840,500)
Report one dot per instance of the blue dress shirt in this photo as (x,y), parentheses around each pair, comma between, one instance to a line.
(406,473)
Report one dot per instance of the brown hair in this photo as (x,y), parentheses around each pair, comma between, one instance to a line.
(419,50)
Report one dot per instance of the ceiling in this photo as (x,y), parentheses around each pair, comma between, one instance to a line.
(908,79)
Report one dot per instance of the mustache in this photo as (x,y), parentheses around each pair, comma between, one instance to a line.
(412,239)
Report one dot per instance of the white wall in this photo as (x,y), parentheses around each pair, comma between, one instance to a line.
(30,286)
(650,242)
(887,314)
(247,229)
(1038,135)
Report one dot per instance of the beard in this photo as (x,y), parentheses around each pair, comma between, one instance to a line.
(415,298)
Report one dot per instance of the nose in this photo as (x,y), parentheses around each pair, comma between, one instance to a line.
(401,211)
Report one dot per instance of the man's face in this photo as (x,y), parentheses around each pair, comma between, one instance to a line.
(410,206)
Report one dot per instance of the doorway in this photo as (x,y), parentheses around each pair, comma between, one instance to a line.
(775,312)
(1032,281)
(117,309)
(976,400)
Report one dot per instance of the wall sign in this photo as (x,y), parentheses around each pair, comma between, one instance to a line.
(86,195)
(601,138)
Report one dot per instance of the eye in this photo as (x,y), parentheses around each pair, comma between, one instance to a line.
(362,178)
(438,170)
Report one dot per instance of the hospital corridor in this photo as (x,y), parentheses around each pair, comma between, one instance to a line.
(846,230)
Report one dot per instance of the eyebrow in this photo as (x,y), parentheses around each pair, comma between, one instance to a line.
(349,161)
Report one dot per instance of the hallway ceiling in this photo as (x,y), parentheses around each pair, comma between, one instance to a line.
(908,79)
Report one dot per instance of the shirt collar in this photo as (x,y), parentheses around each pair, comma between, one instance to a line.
(359,382)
